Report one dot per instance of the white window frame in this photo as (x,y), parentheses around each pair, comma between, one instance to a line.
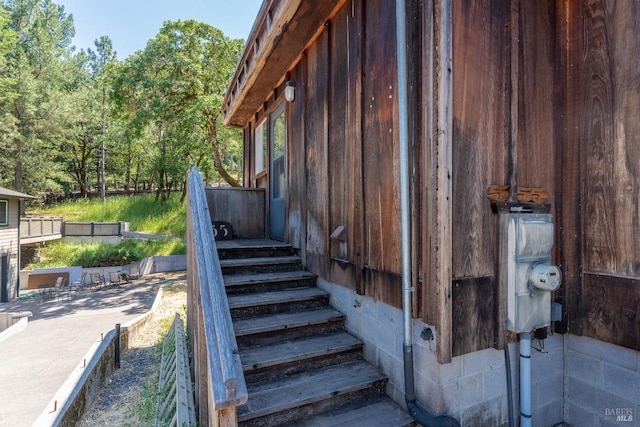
(4,211)
(260,141)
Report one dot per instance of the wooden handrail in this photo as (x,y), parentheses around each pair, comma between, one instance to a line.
(219,381)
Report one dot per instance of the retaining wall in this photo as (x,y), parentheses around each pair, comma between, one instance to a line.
(150,265)
(85,382)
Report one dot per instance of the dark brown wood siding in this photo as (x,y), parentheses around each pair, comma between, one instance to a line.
(296,173)
(345,148)
(480,140)
(603,158)
(380,153)
(545,94)
(316,148)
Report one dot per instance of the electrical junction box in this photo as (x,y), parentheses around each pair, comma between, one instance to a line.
(526,242)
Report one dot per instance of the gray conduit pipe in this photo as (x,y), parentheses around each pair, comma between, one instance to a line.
(405,221)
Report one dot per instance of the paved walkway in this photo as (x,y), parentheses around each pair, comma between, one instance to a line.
(35,362)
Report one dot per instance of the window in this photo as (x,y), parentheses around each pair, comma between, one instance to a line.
(278,144)
(260,141)
(4,212)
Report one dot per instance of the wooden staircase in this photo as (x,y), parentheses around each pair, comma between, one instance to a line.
(301,367)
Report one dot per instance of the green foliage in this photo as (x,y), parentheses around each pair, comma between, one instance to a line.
(38,70)
(102,255)
(155,114)
(172,93)
(145,410)
(142,213)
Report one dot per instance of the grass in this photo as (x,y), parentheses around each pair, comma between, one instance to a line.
(103,255)
(143,213)
(130,395)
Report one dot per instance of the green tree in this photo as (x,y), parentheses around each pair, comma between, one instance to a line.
(38,67)
(80,141)
(177,83)
(101,60)
(8,43)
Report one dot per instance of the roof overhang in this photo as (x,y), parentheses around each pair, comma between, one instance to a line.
(281,32)
(12,194)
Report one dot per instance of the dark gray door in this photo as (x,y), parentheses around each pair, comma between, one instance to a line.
(277,187)
(4,278)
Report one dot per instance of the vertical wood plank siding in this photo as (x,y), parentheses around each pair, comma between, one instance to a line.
(380,152)
(535,126)
(296,160)
(479,116)
(537,94)
(603,138)
(345,165)
(316,146)
(480,131)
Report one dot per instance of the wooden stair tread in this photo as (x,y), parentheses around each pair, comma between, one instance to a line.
(307,387)
(249,279)
(291,351)
(223,245)
(384,412)
(284,321)
(275,297)
(261,261)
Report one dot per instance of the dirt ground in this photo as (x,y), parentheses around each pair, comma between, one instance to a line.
(129,397)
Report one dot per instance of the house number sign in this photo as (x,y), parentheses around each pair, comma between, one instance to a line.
(222,230)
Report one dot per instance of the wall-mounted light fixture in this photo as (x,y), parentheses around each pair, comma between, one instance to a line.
(290,91)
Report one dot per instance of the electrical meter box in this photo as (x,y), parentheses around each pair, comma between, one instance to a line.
(526,245)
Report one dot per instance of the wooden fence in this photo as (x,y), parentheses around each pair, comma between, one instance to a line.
(217,371)
(40,229)
(93,229)
(175,406)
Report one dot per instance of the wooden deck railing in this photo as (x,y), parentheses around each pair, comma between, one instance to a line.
(219,382)
(40,229)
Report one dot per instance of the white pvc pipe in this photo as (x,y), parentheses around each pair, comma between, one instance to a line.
(525,379)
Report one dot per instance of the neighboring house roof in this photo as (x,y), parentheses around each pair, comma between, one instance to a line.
(282,31)
(5,192)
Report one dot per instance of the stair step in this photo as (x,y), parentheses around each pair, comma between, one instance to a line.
(252,249)
(283,326)
(297,396)
(239,283)
(261,265)
(260,303)
(271,361)
(383,412)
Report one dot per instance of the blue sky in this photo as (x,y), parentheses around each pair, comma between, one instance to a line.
(130,23)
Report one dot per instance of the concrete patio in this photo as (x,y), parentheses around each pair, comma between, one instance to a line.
(35,362)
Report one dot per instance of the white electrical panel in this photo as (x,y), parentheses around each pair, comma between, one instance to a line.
(530,276)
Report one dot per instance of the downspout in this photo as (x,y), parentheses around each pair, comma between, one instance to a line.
(405,224)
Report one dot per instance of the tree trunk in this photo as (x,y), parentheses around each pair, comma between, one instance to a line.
(18,173)
(212,128)
(183,195)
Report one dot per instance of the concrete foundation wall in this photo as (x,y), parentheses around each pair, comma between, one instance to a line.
(602,383)
(473,387)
